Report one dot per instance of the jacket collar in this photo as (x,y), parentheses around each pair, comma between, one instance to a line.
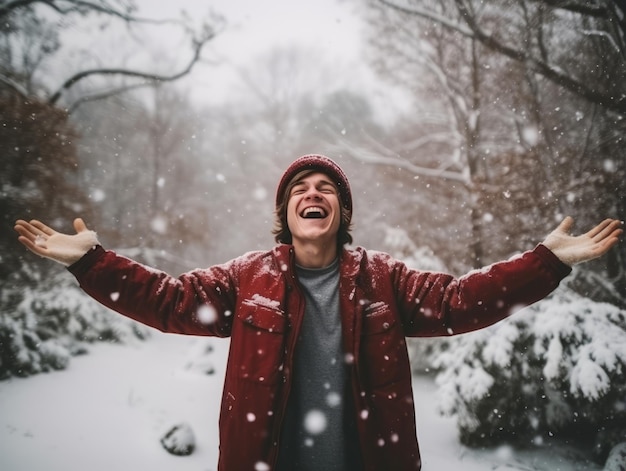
(349,260)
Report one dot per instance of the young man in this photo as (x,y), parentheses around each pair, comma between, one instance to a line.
(318,375)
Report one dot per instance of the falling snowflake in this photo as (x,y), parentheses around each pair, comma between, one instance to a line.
(315,422)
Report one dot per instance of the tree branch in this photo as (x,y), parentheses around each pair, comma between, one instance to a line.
(550,72)
(198,45)
(364,153)
(577,7)
(103,95)
(429,15)
(14,86)
(80,6)
(370,157)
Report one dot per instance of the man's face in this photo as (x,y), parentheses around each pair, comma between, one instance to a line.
(313,210)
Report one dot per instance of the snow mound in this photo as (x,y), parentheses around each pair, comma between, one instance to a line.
(179,440)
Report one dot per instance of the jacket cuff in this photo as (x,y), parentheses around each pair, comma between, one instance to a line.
(554,262)
(87,261)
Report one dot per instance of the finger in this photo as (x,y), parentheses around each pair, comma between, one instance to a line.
(33,246)
(25,229)
(594,231)
(45,230)
(21,222)
(79,225)
(606,229)
(605,245)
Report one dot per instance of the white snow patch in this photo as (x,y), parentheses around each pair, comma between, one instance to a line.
(207,314)
(159,224)
(121,397)
(531,134)
(263,301)
(260,193)
(97,195)
(315,422)
(40,241)
(333,399)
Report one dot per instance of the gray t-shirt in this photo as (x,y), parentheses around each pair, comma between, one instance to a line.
(319,432)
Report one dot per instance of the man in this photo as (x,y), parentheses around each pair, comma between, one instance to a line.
(318,375)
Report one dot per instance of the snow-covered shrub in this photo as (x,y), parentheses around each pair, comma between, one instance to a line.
(557,369)
(54,354)
(41,327)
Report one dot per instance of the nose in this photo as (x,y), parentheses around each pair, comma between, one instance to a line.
(313,193)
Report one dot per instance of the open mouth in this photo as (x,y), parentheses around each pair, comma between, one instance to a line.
(314,212)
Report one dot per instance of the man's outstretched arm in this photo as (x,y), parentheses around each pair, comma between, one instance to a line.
(63,248)
(68,249)
(577,249)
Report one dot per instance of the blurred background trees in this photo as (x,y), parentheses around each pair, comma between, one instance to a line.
(523,100)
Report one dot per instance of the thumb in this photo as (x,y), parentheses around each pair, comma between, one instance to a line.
(79,225)
(566,225)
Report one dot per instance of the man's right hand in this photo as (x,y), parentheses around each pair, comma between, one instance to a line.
(63,248)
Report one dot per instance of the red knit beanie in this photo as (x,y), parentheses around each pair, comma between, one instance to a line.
(322,164)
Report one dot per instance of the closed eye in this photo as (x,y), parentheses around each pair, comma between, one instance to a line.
(327,188)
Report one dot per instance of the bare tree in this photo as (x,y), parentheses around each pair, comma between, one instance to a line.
(533,148)
(601,24)
(28,40)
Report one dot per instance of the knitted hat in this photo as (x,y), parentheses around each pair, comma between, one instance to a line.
(322,164)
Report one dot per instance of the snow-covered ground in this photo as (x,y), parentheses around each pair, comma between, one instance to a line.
(110,408)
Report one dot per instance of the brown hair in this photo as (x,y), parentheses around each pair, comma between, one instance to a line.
(281,231)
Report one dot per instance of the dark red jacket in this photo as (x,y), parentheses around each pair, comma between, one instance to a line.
(257,302)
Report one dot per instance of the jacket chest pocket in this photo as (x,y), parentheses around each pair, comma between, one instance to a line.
(384,357)
(258,348)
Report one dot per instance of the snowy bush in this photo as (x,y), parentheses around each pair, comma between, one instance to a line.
(555,370)
(41,327)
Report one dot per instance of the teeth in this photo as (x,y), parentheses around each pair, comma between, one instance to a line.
(314,211)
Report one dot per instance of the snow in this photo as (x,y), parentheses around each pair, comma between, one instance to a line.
(40,241)
(207,314)
(266,302)
(111,407)
(315,422)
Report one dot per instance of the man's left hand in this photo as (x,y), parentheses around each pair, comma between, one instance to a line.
(577,249)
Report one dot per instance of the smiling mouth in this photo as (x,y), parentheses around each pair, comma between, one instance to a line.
(313,212)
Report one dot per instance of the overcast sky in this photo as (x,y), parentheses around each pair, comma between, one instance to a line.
(330,28)
(332,31)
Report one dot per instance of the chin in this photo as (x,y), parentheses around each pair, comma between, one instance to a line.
(316,236)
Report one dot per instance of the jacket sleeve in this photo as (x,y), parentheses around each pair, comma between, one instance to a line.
(436,304)
(196,303)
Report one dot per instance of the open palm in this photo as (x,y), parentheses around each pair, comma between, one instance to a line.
(577,249)
(46,242)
